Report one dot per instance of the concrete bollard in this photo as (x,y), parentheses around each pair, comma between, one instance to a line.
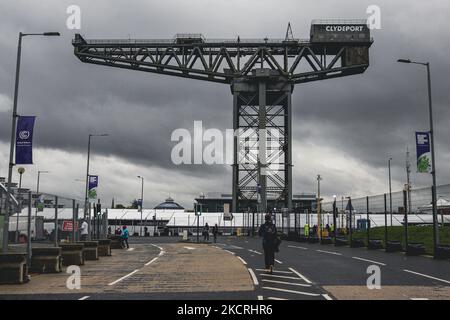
(104,247)
(46,260)
(90,250)
(72,254)
(13,268)
(375,244)
(116,242)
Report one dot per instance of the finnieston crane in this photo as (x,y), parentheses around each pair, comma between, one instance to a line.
(262,74)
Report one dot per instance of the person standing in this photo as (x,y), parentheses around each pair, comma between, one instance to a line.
(84,230)
(268,232)
(215,232)
(125,235)
(206,232)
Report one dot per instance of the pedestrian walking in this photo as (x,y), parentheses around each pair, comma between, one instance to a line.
(268,232)
(125,235)
(84,230)
(215,232)
(206,232)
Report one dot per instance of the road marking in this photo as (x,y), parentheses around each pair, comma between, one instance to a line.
(151,261)
(330,252)
(293,291)
(236,247)
(274,298)
(229,251)
(426,276)
(371,261)
(254,251)
(84,298)
(419,299)
(252,274)
(289,283)
(297,247)
(161,249)
(124,277)
(130,249)
(274,271)
(278,261)
(161,253)
(260,298)
(242,260)
(189,248)
(276,276)
(326,296)
(300,275)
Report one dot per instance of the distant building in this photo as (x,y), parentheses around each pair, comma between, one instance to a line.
(169,204)
(214,202)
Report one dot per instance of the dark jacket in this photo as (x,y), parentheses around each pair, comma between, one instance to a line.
(268,231)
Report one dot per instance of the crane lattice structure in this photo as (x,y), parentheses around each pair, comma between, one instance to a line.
(262,74)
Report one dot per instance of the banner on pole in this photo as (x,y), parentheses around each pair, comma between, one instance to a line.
(93,184)
(24,140)
(423,151)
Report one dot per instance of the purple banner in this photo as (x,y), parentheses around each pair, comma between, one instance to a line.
(24,140)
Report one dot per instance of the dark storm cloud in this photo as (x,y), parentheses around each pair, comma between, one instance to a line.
(368,116)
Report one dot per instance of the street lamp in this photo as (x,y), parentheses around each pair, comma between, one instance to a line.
(334,216)
(142,201)
(319,209)
(21,171)
(433,170)
(13,133)
(87,180)
(37,189)
(390,188)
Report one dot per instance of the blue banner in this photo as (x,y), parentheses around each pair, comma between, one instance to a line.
(93,184)
(24,140)
(423,151)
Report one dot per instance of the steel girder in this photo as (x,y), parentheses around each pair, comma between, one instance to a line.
(225,60)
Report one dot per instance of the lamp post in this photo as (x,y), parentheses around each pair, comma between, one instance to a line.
(37,191)
(21,171)
(433,161)
(13,133)
(142,201)
(86,207)
(390,188)
(334,217)
(319,209)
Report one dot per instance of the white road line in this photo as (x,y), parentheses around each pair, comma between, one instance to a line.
(278,261)
(427,276)
(252,274)
(297,247)
(254,251)
(189,248)
(161,249)
(276,271)
(330,252)
(326,296)
(242,260)
(276,276)
(274,298)
(293,291)
(300,275)
(260,298)
(130,249)
(124,277)
(289,283)
(161,253)
(419,299)
(151,261)
(371,261)
(84,298)
(236,247)
(229,251)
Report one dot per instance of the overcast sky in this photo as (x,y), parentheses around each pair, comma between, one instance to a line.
(344,129)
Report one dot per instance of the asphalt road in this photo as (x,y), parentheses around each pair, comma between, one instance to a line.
(307,271)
